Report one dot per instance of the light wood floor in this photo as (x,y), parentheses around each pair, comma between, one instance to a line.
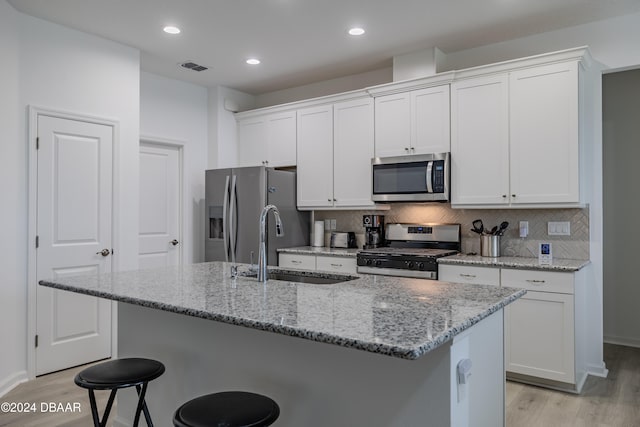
(605,402)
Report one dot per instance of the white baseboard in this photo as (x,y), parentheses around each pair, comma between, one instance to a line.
(598,370)
(629,342)
(11,382)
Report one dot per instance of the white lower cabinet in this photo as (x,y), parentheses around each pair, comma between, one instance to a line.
(335,264)
(543,334)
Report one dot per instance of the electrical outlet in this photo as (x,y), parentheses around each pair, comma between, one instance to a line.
(559,228)
(327,224)
(524,228)
(333,224)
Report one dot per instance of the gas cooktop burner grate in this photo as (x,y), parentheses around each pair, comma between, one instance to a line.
(410,252)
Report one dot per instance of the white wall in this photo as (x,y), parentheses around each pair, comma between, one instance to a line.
(621,110)
(175,110)
(13,209)
(613,42)
(71,71)
(222,124)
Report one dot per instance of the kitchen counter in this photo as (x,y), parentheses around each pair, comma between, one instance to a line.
(567,265)
(321,250)
(399,317)
(376,350)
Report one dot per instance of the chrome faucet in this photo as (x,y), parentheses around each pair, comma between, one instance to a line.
(262,256)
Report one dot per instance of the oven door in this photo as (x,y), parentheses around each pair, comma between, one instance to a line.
(411,178)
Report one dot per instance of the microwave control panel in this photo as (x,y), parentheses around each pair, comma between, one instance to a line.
(438,176)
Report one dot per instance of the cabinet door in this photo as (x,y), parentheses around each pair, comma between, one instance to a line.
(539,336)
(430,124)
(315,156)
(544,134)
(252,141)
(281,137)
(352,152)
(393,125)
(480,141)
(304,262)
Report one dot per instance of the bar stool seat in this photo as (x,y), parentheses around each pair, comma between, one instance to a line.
(228,409)
(116,374)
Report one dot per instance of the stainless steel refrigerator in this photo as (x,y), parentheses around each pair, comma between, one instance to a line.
(234,200)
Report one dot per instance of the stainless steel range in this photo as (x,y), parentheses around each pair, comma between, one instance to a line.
(411,250)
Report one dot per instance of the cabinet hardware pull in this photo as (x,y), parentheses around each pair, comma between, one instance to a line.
(513,195)
(334,200)
(293,261)
(469,276)
(336,265)
(104,252)
(406,148)
(535,281)
(328,200)
(174,242)
(504,196)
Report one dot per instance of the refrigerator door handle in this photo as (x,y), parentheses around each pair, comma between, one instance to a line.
(225,224)
(233,227)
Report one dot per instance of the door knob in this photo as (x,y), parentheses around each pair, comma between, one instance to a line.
(174,242)
(104,252)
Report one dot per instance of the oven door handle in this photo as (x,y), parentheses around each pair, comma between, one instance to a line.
(429,177)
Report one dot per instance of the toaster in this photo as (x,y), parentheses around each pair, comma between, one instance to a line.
(342,239)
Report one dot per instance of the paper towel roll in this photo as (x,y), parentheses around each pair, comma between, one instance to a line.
(318,233)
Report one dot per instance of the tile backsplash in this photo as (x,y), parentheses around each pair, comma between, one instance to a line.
(575,246)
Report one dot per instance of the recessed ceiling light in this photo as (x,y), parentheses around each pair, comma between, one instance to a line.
(253,61)
(171,29)
(357,31)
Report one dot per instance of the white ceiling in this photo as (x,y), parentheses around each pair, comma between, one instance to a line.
(305,41)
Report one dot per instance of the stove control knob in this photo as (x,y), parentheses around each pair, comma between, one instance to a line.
(410,264)
(368,262)
(421,266)
(378,262)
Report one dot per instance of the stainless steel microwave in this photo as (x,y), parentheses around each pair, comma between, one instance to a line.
(415,178)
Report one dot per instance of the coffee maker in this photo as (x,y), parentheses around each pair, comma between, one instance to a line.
(374,231)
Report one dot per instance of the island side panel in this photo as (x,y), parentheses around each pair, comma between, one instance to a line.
(481,401)
(315,384)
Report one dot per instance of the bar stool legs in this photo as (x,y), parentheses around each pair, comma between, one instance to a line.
(114,375)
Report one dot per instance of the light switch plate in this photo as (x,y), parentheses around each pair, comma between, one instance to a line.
(333,224)
(559,228)
(524,228)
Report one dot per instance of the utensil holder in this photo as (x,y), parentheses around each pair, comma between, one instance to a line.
(490,246)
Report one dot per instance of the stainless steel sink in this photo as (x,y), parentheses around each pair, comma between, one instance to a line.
(304,277)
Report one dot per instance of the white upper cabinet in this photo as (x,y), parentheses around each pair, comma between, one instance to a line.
(515,138)
(252,142)
(415,122)
(480,141)
(315,157)
(335,146)
(268,140)
(352,152)
(544,134)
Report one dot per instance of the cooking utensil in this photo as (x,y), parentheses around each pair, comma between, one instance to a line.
(493,230)
(503,227)
(478,226)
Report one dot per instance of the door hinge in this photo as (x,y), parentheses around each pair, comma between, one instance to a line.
(37,242)
(36,341)
(37,142)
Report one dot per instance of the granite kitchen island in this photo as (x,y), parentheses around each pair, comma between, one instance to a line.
(375,351)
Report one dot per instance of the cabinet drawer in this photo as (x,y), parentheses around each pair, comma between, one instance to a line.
(305,262)
(337,264)
(543,281)
(469,274)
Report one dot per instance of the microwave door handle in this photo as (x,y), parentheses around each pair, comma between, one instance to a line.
(429,177)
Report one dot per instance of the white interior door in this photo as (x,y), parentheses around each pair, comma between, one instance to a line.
(160,201)
(74,209)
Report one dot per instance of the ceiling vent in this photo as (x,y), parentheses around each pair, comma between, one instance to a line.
(193,66)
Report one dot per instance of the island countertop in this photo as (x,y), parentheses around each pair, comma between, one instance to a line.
(399,317)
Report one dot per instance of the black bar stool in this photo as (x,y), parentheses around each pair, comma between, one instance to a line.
(228,409)
(117,374)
